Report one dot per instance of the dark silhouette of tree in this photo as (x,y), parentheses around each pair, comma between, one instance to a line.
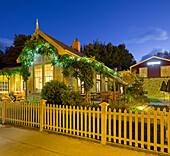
(13,52)
(164,54)
(1,55)
(112,56)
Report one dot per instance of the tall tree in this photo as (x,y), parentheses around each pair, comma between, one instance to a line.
(1,55)
(12,52)
(112,56)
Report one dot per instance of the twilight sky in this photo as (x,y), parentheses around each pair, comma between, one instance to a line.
(143,25)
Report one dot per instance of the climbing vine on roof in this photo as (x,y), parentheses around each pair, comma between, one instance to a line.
(83,68)
(9,72)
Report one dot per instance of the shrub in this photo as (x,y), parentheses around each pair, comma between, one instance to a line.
(56,92)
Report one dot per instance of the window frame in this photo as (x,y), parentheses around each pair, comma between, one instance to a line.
(146,70)
(3,87)
(168,71)
(98,83)
(46,72)
(39,67)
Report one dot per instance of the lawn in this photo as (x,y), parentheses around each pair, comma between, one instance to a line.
(154,100)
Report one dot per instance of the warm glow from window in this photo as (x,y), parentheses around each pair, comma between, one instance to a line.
(98,83)
(143,72)
(17,83)
(48,73)
(165,71)
(81,86)
(38,78)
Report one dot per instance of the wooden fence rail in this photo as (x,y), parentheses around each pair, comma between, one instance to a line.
(149,131)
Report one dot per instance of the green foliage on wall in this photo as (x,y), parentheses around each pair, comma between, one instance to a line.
(81,67)
(9,72)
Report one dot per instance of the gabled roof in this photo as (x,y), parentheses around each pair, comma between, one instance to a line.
(149,59)
(62,48)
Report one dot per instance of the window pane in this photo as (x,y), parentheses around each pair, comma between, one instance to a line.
(143,72)
(165,71)
(3,86)
(48,72)
(38,78)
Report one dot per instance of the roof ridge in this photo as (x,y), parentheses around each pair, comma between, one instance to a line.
(149,59)
(64,46)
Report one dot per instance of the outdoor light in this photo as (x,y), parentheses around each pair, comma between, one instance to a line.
(140,108)
(153,63)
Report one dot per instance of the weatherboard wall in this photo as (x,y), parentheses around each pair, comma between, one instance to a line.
(154,71)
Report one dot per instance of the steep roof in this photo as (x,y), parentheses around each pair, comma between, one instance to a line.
(62,48)
(66,47)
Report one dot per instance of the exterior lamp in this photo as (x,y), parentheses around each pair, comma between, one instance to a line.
(140,108)
(153,63)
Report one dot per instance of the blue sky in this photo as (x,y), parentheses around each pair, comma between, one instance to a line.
(143,25)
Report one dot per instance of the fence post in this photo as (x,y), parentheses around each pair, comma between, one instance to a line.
(42,106)
(103,122)
(3,109)
(169,132)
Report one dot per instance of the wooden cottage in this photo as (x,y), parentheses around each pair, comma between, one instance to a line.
(42,72)
(153,67)
(154,70)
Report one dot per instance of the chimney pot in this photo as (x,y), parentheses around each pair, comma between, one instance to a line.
(76,44)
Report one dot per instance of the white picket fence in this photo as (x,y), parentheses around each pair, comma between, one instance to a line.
(149,131)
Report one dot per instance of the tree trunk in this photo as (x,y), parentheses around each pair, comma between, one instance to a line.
(87,97)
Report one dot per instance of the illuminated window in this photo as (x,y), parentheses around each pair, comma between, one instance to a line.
(23,86)
(3,86)
(38,77)
(81,86)
(98,83)
(143,72)
(106,84)
(48,73)
(165,71)
(17,83)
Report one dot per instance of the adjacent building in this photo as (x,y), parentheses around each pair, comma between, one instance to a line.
(154,70)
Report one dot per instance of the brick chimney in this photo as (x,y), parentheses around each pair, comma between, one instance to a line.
(76,44)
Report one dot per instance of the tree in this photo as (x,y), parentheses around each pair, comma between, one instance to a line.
(1,55)
(13,52)
(164,54)
(112,56)
(135,83)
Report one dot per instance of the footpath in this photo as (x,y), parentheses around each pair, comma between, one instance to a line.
(17,141)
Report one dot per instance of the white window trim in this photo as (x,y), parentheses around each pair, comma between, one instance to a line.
(7,87)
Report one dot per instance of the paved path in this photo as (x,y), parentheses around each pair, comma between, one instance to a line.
(16,141)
